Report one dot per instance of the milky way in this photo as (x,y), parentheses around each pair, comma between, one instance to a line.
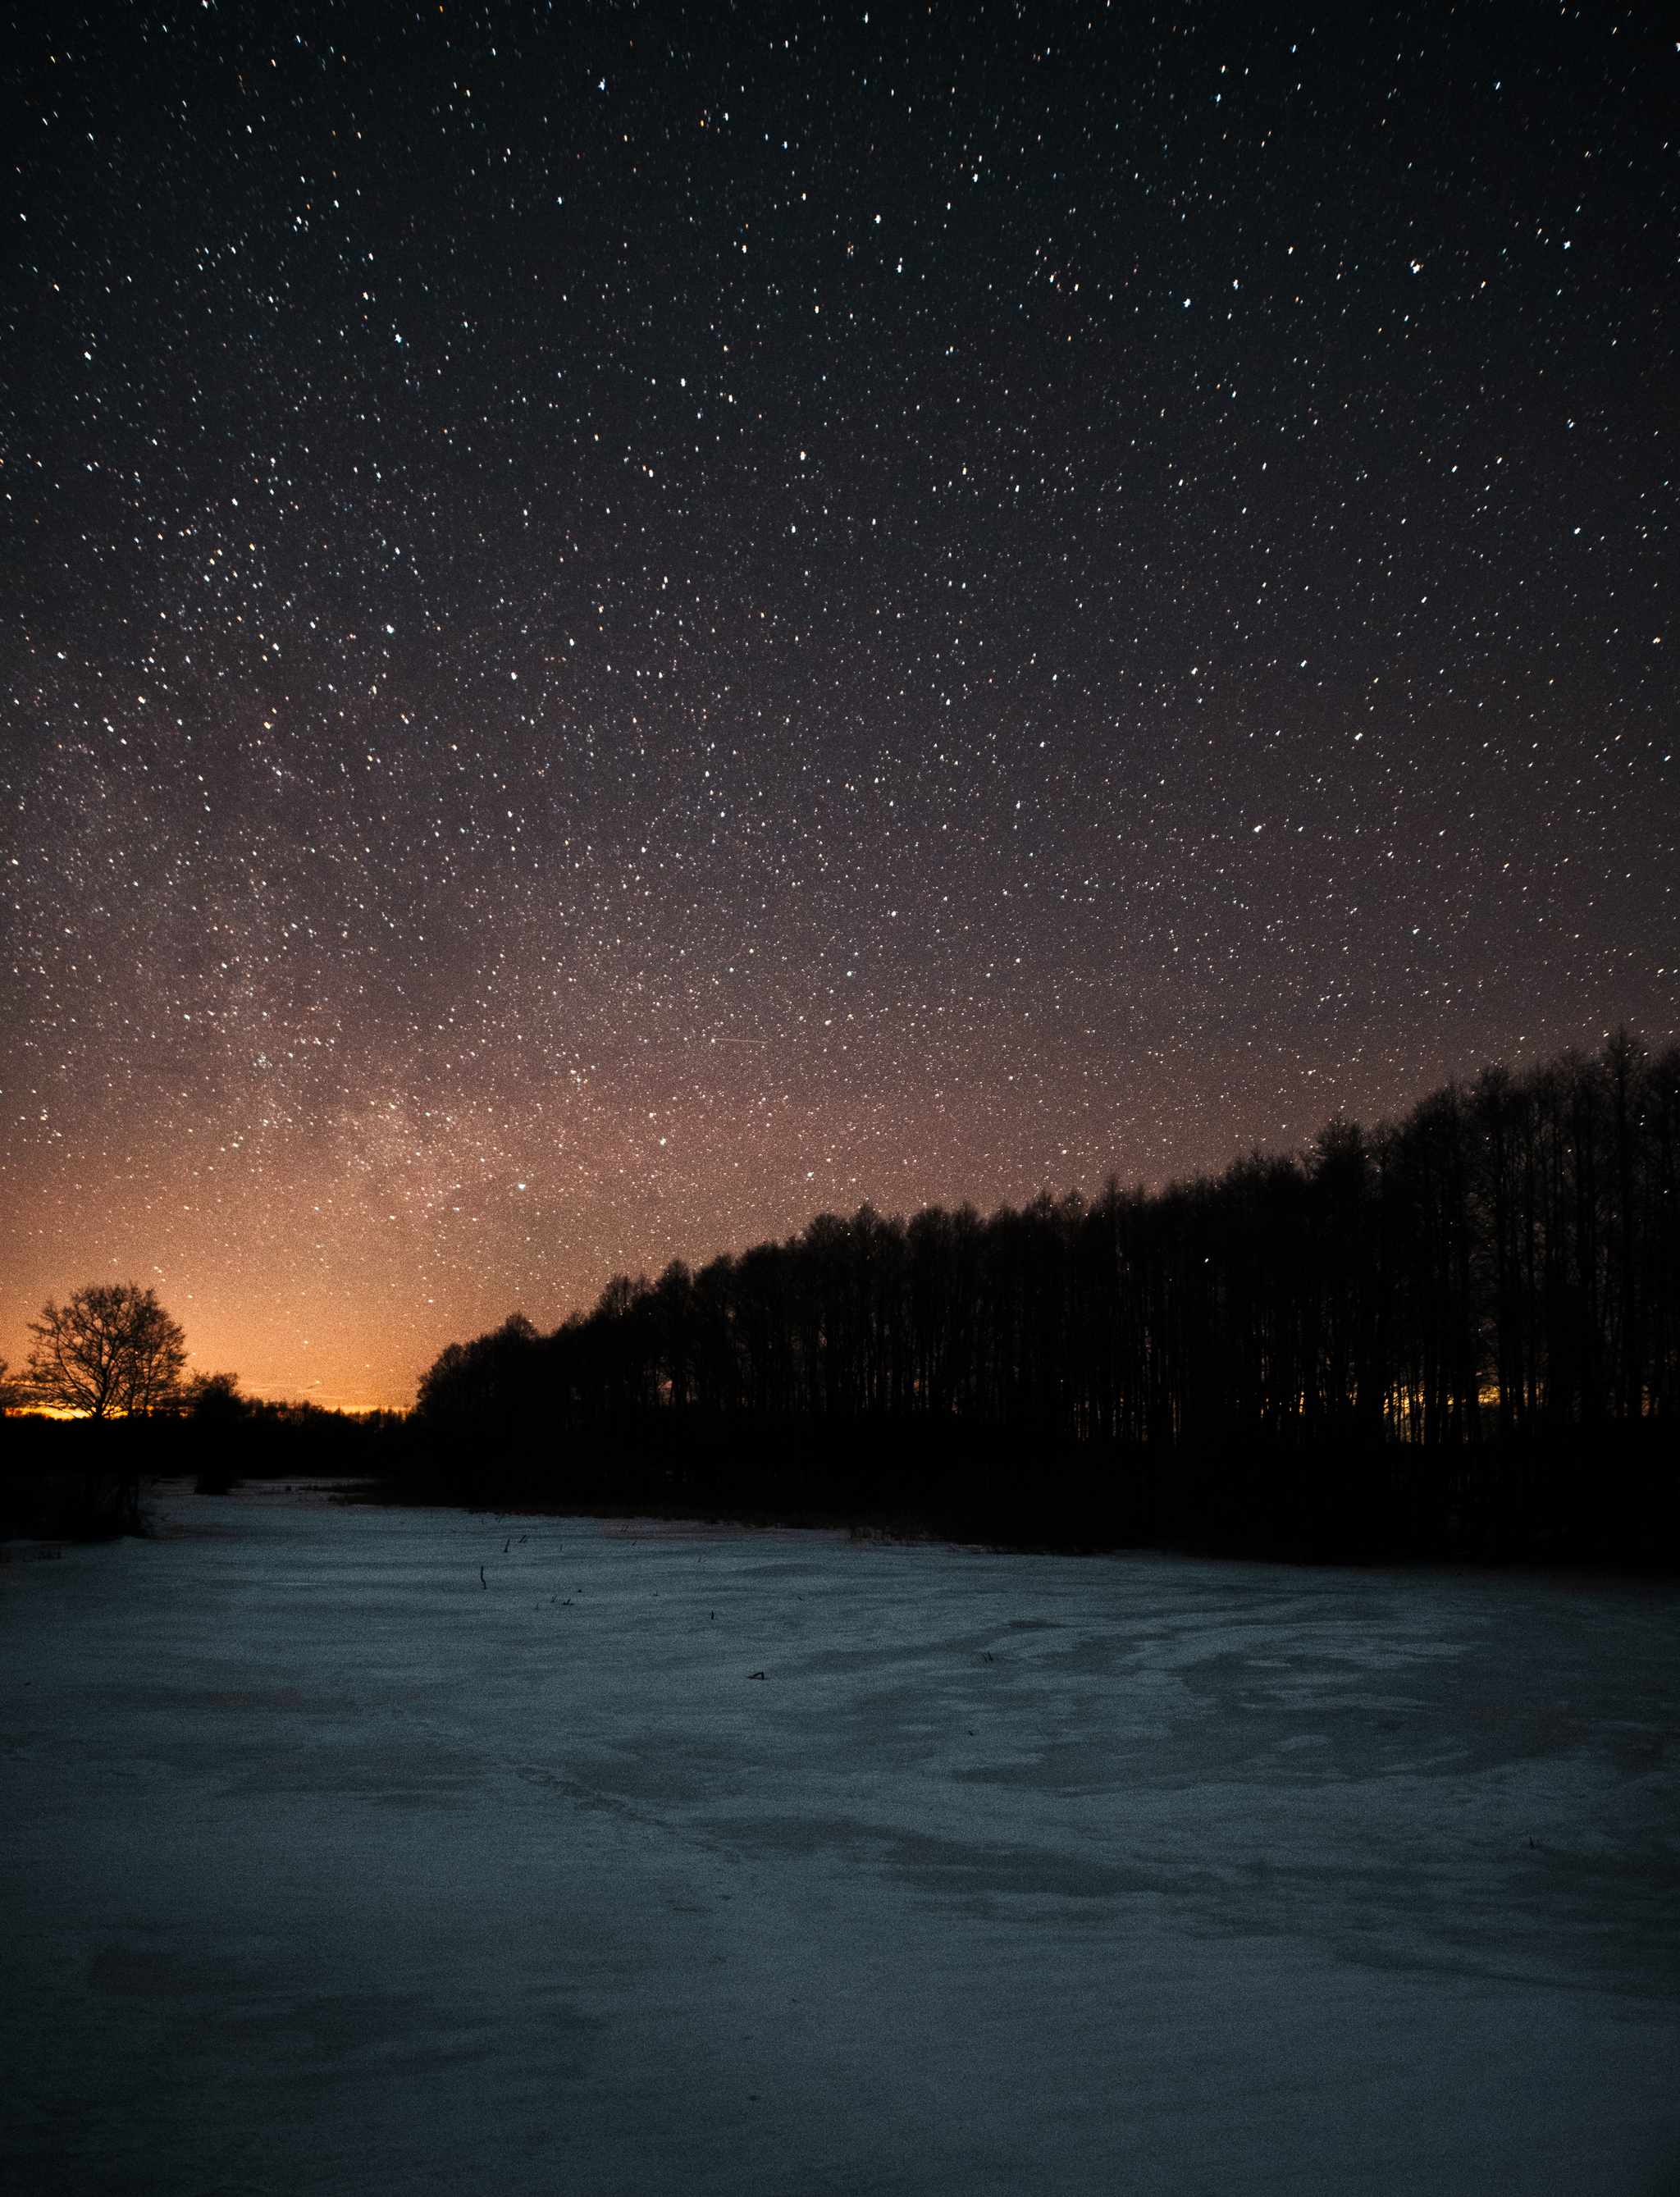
(622,626)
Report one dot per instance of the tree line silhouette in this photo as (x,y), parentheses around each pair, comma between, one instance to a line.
(1463,1323)
(104,1403)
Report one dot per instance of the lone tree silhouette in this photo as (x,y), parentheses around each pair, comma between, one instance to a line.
(111,1350)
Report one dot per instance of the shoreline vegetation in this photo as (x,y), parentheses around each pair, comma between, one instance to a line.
(1455,1335)
(1610,1505)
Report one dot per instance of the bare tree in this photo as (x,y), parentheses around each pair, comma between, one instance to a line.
(111,1350)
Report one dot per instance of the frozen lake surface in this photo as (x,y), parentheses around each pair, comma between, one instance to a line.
(327,1867)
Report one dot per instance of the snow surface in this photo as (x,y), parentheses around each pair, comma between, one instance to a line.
(325,1867)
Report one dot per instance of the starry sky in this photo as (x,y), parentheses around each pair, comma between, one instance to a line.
(624,625)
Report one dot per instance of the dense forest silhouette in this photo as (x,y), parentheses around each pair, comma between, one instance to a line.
(1458,1333)
(1462,1329)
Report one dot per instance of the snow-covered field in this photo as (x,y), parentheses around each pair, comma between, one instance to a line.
(325,1867)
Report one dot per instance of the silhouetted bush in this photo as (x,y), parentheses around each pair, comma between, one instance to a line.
(80,1479)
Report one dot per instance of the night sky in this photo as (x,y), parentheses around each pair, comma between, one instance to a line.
(622,626)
